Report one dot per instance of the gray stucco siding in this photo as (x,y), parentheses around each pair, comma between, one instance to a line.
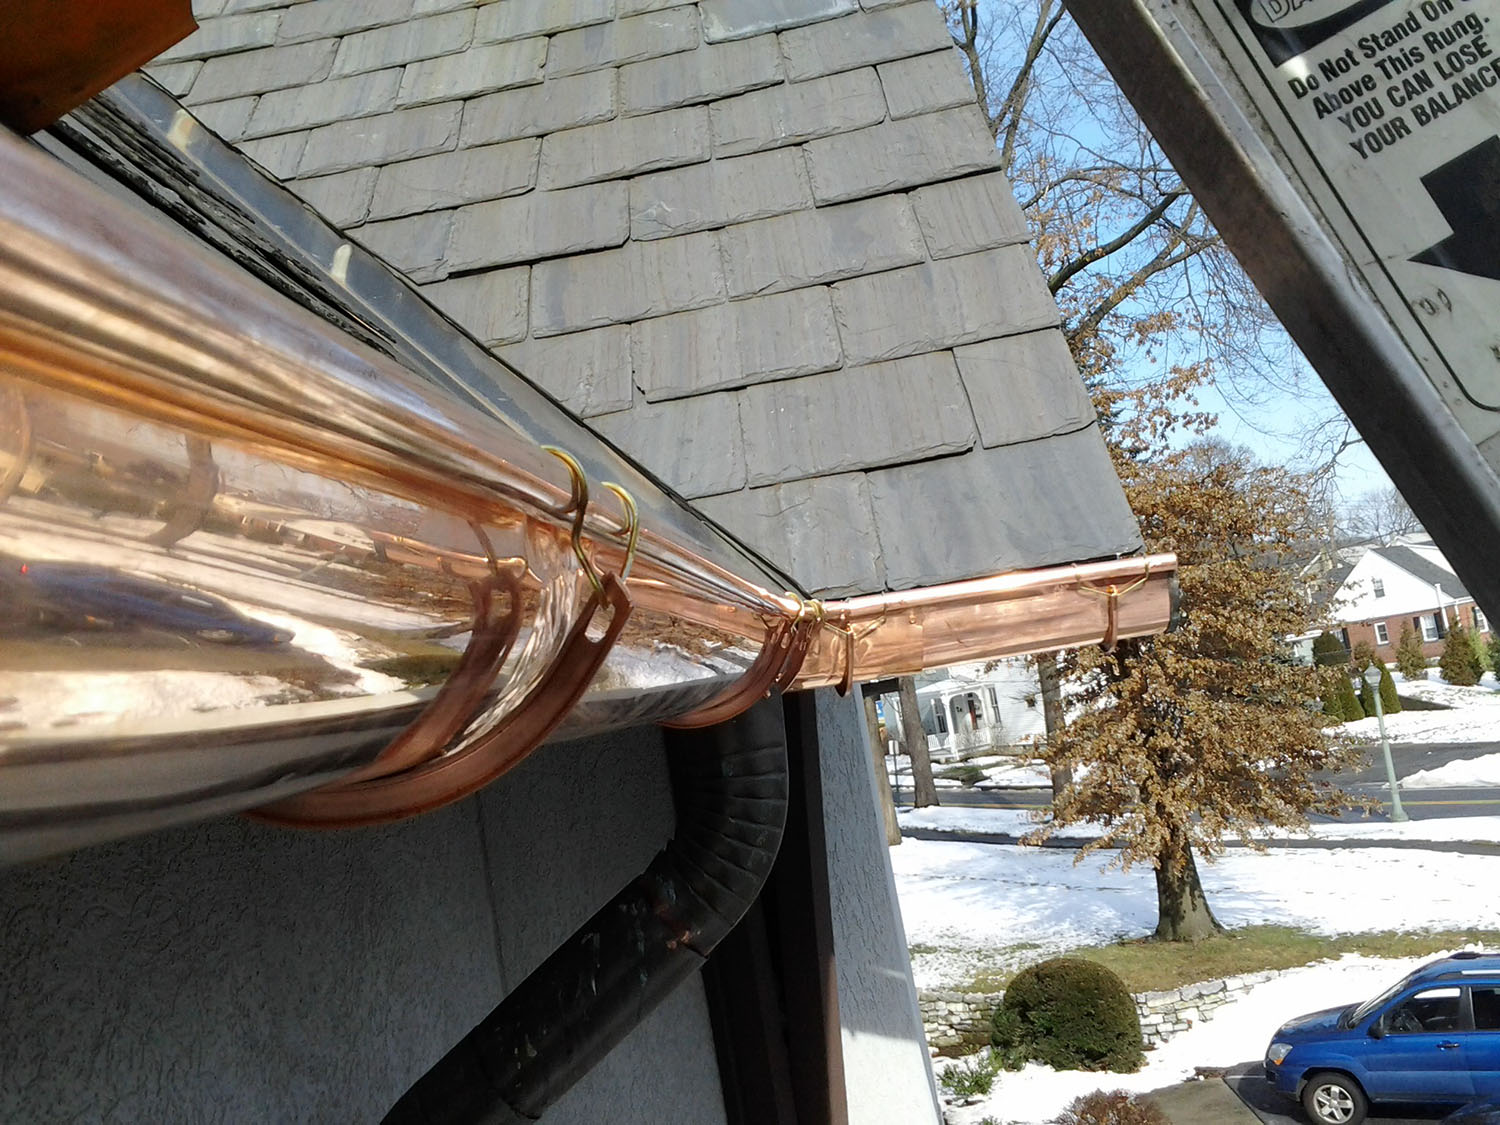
(232,972)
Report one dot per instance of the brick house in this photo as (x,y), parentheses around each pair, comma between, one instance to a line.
(1381,590)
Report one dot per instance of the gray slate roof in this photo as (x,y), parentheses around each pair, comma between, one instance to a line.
(758,244)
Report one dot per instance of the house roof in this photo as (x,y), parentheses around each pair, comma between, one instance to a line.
(763,248)
(1428,571)
(1330,581)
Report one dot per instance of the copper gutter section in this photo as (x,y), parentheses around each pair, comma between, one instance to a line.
(904,633)
(247,561)
(238,552)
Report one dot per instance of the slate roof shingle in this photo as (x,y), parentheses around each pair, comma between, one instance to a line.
(758,243)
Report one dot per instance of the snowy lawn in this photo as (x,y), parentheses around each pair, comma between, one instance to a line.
(1236,1033)
(1476,773)
(1475,714)
(1001,771)
(969,907)
(1461,829)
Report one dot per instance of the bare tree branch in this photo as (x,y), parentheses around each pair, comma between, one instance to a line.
(1119,242)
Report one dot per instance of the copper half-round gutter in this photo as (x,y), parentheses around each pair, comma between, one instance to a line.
(276,526)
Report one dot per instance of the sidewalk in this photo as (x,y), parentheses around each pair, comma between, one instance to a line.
(1202,1101)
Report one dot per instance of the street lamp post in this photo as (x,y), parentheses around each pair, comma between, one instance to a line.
(1372,677)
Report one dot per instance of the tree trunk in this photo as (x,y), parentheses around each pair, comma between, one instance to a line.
(882,779)
(915,740)
(1052,715)
(1182,912)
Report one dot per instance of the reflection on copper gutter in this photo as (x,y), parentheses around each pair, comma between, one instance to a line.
(248,562)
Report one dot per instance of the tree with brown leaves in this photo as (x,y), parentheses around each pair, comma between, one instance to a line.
(1210,731)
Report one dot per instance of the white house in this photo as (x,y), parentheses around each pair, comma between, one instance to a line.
(1380,590)
(976,706)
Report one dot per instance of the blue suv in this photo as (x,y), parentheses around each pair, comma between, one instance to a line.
(1432,1037)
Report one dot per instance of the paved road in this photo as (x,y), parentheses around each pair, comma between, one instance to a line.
(1366,781)
(1247,1081)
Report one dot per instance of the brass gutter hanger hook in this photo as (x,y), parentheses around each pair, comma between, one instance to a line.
(578,508)
(1112,595)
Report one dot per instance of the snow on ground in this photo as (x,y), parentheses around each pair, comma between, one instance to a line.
(1001,771)
(1235,1033)
(1018,822)
(972,906)
(969,906)
(1474,714)
(1480,772)
(1435,689)
(1479,722)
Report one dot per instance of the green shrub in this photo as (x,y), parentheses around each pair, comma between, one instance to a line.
(973,1076)
(1494,651)
(1481,652)
(1070,1014)
(1328,650)
(1411,661)
(1114,1107)
(1366,697)
(1333,702)
(1389,700)
(1459,664)
(1349,705)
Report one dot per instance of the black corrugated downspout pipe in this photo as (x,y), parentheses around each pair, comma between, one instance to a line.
(730,786)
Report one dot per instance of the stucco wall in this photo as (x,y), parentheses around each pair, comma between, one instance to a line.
(885,1049)
(231,972)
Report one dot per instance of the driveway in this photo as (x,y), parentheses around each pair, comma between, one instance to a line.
(1247,1081)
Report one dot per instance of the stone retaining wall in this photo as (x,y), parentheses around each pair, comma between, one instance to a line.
(959,1022)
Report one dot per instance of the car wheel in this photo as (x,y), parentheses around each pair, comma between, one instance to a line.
(1334,1099)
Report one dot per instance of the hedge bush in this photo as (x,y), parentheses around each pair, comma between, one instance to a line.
(1346,702)
(1328,651)
(1389,700)
(1459,663)
(1070,1014)
(973,1076)
(1411,661)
